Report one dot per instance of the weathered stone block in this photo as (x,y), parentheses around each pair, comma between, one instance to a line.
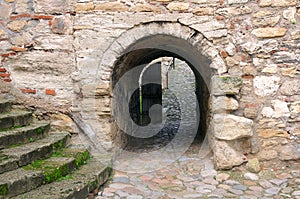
(289,71)
(2,34)
(223,103)
(146,8)
(62,122)
(50,6)
(289,152)
(277,3)
(16,26)
(95,90)
(225,157)
(230,61)
(84,7)
(267,154)
(113,6)
(271,69)
(267,112)
(234,11)
(203,11)
(265,18)
(237,1)
(253,165)
(178,6)
(62,25)
(22,6)
(296,34)
(214,34)
(60,42)
(295,107)
(280,109)
(5,10)
(269,133)
(266,85)
(231,127)
(209,26)
(269,32)
(5,45)
(224,85)
(250,110)
(289,14)
(40,62)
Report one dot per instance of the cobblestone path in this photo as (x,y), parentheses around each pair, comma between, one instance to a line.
(193,174)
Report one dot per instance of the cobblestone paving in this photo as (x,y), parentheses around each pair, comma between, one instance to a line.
(191,176)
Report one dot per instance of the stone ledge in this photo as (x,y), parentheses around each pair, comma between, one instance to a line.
(226,85)
(231,127)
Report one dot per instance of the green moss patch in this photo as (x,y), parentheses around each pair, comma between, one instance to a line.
(60,164)
(13,128)
(59,144)
(79,154)
(3,189)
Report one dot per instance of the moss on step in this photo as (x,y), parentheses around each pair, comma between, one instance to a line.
(59,145)
(67,177)
(40,130)
(14,145)
(60,164)
(79,154)
(53,172)
(80,158)
(3,189)
(13,128)
(3,157)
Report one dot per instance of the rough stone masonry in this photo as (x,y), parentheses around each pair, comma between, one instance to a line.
(65,51)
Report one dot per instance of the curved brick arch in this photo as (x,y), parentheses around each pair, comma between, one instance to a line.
(127,40)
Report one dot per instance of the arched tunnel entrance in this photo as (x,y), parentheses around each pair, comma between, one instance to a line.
(142,98)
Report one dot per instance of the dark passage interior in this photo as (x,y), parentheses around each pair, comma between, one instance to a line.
(138,57)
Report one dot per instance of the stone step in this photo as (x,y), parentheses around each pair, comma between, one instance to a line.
(78,186)
(18,156)
(23,135)
(15,118)
(41,172)
(5,105)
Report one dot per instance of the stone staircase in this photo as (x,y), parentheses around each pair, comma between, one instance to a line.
(36,162)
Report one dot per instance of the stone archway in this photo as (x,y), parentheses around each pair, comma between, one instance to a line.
(146,42)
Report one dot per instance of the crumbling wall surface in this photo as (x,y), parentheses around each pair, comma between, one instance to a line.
(53,49)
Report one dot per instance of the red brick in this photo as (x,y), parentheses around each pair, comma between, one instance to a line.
(18,49)
(24,15)
(251,105)
(3,70)
(224,54)
(46,17)
(7,80)
(26,90)
(273,51)
(231,26)
(248,77)
(50,92)
(8,54)
(237,48)
(219,17)
(283,49)
(243,57)
(5,75)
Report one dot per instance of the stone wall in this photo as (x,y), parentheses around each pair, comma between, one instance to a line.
(65,51)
